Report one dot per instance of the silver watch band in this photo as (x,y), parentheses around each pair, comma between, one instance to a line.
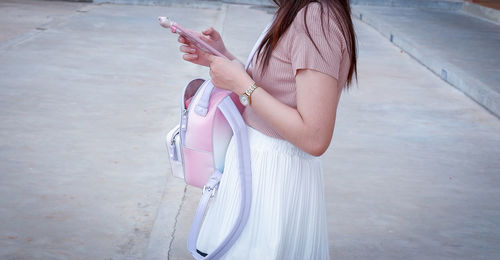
(251,89)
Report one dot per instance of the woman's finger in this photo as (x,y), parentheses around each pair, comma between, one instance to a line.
(183,39)
(187,49)
(208,31)
(190,57)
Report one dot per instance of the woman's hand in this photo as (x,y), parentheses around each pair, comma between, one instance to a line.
(229,75)
(194,54)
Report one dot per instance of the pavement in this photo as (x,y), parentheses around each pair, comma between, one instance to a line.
(88,92)
(460,43)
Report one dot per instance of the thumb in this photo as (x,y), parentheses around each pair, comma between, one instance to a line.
(211,58)
(211,32)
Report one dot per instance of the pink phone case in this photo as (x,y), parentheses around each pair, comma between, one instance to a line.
(167,23)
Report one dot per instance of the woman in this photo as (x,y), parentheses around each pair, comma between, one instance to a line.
(291,93)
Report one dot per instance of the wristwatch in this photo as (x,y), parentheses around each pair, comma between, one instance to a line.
(246,98)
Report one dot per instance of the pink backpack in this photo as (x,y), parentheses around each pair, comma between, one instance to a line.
(197,147)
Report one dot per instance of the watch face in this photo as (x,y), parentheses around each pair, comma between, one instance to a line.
(244,100)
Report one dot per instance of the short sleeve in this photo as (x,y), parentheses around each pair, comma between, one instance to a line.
(326,58)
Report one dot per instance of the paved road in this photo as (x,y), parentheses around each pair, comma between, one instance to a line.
(84,106)
(462,49)
(412,172)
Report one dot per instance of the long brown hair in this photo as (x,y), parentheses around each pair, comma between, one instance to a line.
(286,13)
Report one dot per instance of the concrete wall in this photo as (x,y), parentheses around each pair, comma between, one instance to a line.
(190,2)
(435,4)
(258,2)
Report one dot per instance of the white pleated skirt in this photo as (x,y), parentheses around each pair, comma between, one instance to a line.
(287,217)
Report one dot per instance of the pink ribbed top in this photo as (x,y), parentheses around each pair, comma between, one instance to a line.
(295,51)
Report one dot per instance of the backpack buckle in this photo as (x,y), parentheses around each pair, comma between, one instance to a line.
(212,184)
(211,189)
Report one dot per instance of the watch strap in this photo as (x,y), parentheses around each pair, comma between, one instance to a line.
(249,92)
(251,89)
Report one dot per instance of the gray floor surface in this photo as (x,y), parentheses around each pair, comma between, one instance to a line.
(85,101)
(462,49)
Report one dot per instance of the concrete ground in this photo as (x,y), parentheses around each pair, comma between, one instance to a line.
(462,49)
(412,172)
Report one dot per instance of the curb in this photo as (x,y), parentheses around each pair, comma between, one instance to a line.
(451,5)
(482,12)
(481,93)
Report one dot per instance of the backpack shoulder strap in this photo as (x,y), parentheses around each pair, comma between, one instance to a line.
(233,116)
(240,134)
(256,46)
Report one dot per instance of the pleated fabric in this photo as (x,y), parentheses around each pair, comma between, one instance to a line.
(288,215)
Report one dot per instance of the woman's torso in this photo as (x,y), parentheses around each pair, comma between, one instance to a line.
(279,80)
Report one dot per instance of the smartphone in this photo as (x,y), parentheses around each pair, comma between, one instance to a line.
(167,23)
